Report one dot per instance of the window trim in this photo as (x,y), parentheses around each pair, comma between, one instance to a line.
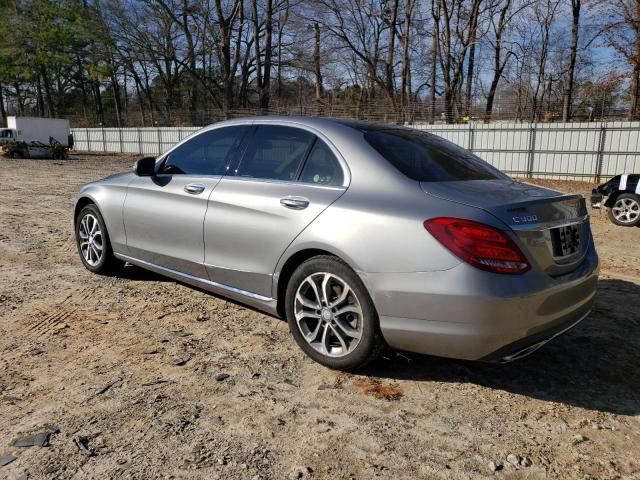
(317,136)
(252,124)
(298,171)
(304,164)
(162,159)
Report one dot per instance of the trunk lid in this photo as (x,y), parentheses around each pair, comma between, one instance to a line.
(553,228)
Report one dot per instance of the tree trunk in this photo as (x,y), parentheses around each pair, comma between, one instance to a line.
(470,66)
(266,77)
(316,62)
(634,111)
(47,92)
(192,61)
(3,113)
(117,101)
(405,86)
(498,63)
(568,89)
(40,97)
(435,7)
(391,51)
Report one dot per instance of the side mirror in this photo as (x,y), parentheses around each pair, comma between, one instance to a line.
(145,167)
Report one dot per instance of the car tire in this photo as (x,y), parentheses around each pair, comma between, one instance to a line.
(625,210)
(92,241)
(340,329)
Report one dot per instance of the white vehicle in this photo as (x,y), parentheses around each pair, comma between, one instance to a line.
(35,129)
(34,137)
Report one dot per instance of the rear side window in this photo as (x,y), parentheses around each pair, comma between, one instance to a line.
(275,153)
(428,158)
(322,167)
(205,154)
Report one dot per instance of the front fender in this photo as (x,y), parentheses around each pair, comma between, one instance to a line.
(110,202)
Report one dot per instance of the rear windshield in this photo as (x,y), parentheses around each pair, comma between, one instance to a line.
(428,158)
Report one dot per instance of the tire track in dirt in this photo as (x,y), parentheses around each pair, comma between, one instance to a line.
(61,315)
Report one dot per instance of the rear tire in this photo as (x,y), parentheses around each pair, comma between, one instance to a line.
(93,242)
(625,210)
(331,315)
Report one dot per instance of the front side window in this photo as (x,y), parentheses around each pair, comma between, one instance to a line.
(322,167)
(205,154)
(428,158)
(275,153)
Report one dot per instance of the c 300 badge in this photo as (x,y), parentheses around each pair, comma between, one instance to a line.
(525,219)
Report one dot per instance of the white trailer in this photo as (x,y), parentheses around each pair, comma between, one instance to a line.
(35,129)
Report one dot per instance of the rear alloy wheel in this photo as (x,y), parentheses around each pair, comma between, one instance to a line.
(626,210)
(331,315)
(93,241)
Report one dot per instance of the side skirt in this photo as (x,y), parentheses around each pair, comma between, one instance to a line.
(266,304)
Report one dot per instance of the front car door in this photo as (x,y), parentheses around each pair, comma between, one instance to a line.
(164,214)
(286,178)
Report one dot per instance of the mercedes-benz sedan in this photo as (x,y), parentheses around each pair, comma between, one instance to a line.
(361,235)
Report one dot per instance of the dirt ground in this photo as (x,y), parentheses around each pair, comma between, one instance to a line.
(127,371)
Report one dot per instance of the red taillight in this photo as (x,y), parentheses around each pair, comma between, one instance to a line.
(479,245)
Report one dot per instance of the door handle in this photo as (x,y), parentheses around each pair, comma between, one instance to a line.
(194,188)
(294,203)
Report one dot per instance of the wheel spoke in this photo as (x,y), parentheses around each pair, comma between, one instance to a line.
(313,334)
(306,303)
(347,329)
(314,287)
(94,225)
(347,309)
(342,297)
(343,344)
(325,286)
(324,342)
(303,314)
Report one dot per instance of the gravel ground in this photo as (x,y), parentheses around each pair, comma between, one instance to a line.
(138,376)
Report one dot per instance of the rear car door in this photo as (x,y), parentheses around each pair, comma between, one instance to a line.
(164,214)
(286,178)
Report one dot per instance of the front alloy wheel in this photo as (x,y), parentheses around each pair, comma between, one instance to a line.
(331,315)
(90,239)
(93,241)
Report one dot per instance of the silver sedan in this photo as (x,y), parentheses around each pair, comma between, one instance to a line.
(362,236)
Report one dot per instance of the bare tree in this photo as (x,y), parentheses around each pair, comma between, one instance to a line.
(622,31)
(573,51)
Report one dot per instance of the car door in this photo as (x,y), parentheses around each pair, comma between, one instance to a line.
(164,214)
(286,178)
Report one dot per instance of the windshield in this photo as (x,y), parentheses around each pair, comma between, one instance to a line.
(5,133)
(426,157)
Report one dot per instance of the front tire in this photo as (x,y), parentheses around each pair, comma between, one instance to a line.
(331,315)
(626,210)
(92,241)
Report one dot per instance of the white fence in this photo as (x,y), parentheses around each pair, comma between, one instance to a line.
(575,151)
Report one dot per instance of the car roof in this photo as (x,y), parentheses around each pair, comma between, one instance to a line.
(310,121)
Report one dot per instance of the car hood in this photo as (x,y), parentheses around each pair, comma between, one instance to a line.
(118,179)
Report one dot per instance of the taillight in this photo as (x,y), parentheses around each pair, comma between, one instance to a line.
(478,244)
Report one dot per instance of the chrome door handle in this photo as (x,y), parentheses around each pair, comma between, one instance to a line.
(294,203)
(194,188)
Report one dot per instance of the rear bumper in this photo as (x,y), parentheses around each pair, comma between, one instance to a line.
(470,314)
